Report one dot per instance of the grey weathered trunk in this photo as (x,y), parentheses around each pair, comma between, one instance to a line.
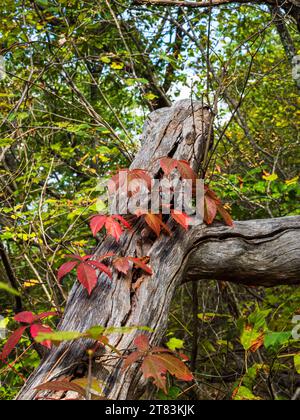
(263,252)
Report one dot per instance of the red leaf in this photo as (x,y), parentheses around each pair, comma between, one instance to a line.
(183,357)
(210,209)
(225,215)
(25,317)
(62,386)
(86,257)
(212,195)
(168,165)
(175,366)
(113,228)
(36,329)
(101,267)
(123,221)
(87,277)
(153,367)
(97,223)
(103,257)
(119,180)
(111,223)
(12,342)
(65,269)
(181,218)
(157,365)
(122,264)
(158,362)
(132,358)
(142,343)
(185,170)
(140,174)
(161,350)
(140,263)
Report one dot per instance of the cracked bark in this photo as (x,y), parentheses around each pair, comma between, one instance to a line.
(260,252)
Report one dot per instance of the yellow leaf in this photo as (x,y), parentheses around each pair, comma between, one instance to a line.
(297,362)
(270,178)
(292,181)
(150,96)
(30,283)
(83,159)
(117,66)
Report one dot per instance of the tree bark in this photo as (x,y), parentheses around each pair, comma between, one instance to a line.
(262,252)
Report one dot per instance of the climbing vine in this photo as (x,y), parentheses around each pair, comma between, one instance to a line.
(154,362)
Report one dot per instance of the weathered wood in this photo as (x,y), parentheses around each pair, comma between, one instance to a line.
(257,252)
(248,251)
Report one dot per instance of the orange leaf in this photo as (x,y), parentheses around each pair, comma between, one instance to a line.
(122,264)
(62,386)
(132,358)
(255,345)
(225,215)
(141,264)
(153,367)
(181,218)
(155,223)
(175,366)
(185,170)
(210,209)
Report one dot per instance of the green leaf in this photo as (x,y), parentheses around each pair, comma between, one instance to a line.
(297,362)
(94,333)
(8,289)
(249,336)
(175,343)
(6,142)
(245,394)
(275,340)
(258,318)
(44,3)
(150,96)
(251,374)
(105,59)
(173,394)
(59,336)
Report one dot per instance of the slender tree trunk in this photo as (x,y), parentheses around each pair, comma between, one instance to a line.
(264,252)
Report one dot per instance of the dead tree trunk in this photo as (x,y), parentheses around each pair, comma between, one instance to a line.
(261,252)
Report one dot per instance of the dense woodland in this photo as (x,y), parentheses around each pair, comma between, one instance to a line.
(80,80)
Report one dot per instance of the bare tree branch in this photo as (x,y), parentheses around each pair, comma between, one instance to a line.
(257,252)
